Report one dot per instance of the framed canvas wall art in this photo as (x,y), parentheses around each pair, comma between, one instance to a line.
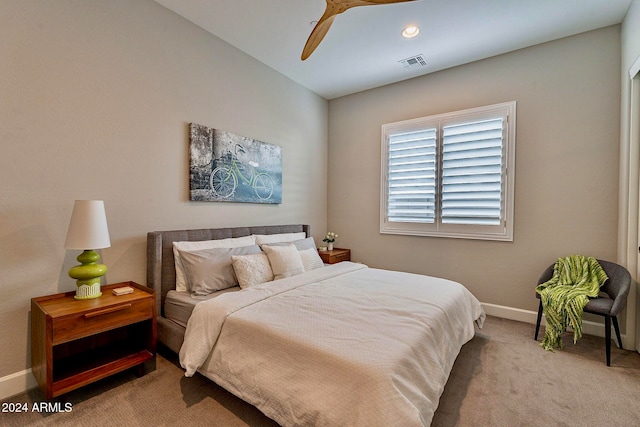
(225,167)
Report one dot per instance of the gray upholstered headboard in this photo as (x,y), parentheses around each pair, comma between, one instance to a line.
(161,273)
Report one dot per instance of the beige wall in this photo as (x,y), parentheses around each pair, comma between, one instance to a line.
(629,164)
(568,115)
(95,102)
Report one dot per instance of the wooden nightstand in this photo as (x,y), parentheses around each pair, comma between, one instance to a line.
(76,342)
(336,255)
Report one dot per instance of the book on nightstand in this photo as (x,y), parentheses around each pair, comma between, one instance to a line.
(123,290)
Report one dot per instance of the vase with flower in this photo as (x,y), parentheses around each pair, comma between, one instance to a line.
(329,239)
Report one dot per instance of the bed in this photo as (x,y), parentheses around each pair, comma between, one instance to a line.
(341,344)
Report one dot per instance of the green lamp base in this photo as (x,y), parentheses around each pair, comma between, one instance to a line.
(88,275)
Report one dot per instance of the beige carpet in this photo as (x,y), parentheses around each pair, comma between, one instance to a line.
(501,378)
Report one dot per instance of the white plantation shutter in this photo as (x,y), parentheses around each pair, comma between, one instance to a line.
(472,173)
(450,175)
(412,176)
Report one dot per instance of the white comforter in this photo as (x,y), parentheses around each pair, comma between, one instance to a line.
(343,345)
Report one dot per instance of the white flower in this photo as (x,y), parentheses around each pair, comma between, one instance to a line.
(330,237)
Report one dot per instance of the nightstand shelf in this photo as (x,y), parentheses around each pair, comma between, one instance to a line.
(77,342)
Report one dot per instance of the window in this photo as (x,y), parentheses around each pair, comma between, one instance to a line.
(450,175)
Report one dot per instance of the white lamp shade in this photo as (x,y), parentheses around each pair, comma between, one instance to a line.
(88,226)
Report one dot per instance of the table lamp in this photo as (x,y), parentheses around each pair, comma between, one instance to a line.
(88,231)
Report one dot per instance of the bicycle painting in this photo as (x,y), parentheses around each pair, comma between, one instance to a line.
(232,168)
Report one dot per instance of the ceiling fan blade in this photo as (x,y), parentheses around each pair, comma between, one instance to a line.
(335,7)
(316,36)
(370,2)
(339,6)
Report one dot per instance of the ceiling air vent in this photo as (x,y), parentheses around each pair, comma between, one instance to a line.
(413,62)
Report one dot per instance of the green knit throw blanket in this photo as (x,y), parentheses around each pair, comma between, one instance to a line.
(575,279)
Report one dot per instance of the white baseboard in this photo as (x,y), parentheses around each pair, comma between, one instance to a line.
(17,383)
(526,316)
(20,382)
(510,313)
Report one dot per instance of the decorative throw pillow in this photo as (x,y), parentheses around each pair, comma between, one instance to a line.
(232,242)
(285,260)
(210,270)
(310,259)
(252,269)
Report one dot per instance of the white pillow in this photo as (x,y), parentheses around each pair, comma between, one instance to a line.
(310,259)
(232,242)
(261,239)
(252,269)
(308,252)
(285,260)
(211,270)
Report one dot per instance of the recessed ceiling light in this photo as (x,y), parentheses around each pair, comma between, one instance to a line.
(410,31)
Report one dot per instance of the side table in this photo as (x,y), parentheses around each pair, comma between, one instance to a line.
(335,255)
(77,342)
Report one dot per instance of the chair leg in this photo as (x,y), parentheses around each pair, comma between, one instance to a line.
(617,329)
(607,338)
(538,321)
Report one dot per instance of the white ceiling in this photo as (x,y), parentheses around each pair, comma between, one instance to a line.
(363,47)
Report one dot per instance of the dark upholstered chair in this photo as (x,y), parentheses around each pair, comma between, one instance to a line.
(610,301)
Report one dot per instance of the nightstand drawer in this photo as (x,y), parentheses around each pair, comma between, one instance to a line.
(342,256)
(74,326)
